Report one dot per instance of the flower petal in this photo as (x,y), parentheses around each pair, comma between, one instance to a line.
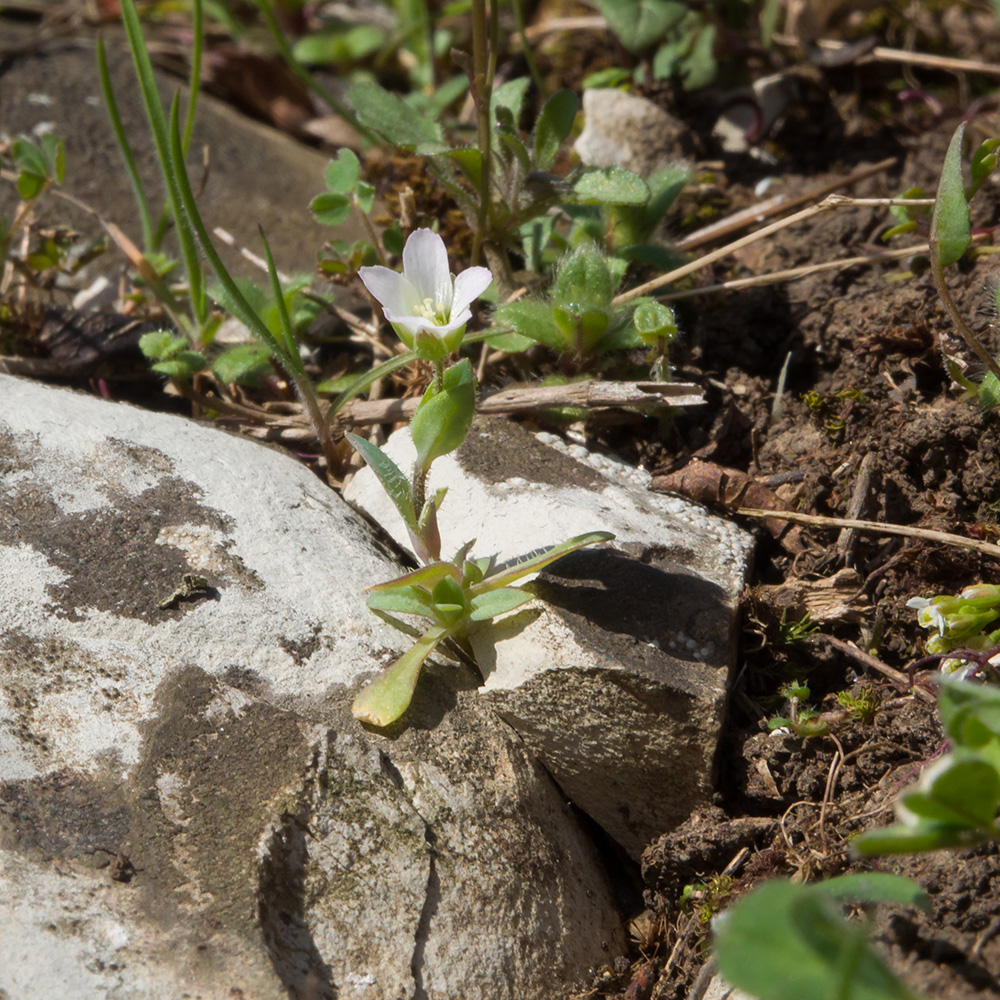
(425,264)
(469,285)
(391,289)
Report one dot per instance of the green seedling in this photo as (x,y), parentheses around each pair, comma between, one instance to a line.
(37,167)
(346,191)
(578,319)
(955,803)
(452,596)
(786,941)
(950,237)
(803,721)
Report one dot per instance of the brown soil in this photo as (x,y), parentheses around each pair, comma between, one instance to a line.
(866,344)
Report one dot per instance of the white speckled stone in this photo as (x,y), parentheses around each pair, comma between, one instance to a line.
(617,676)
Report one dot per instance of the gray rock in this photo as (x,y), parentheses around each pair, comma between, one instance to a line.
(199,749)
(623,130)
(616,677)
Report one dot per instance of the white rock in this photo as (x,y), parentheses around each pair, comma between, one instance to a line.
(617,679)
(274,844)
(624,130)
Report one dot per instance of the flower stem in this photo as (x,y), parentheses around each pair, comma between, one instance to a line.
(482,87)
(438,376)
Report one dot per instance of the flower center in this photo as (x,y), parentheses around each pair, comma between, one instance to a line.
(435,312)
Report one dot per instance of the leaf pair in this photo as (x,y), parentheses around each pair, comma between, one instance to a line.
(450,595)
(957,798)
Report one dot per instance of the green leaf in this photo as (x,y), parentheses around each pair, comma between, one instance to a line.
(330,209)
(957,790)
(984,161)
(510,97)
(389,475)
(181,365)
(341,174)
(442,420)
(55,153)
(337,46)
(387,697)
(910,213)
(873,887)
(244,365)
(394,120)
(611,186)
(970,712)
(365,193)
(497,602)
(425,576)
(555,122)
(639,23)
(28,157)
(403,601)
(785,942)
(950,230)
(30,185)
(532,322)
(606,78)
(159,345)
(901,838)
(535,564)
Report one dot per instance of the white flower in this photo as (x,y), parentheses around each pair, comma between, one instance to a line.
(427,305)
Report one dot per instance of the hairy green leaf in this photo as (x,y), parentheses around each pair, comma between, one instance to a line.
(950,230)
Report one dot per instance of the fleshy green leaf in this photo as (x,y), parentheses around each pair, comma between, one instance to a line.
(389,475)
(962,791)
(535,564)
(403,601)
(970,712)
(901,838)
(496,602)
(29,185)
(425,576)
(386,698)
(555,122)
(950,230)
(611,186)
(442,420)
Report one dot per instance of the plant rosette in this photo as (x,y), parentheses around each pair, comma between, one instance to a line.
(427,305)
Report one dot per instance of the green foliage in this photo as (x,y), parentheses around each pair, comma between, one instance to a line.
(170,354)
(640,23)
(444,416)
(578,317)
(803,721)
(950,231)
(955,803)
(959,621)
(786,941)
(451,595)
(38,165)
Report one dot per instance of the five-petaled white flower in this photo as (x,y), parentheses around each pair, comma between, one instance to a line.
(427,305)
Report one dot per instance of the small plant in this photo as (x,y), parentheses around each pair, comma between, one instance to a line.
(579,319)
(955,802)
(706,899)
(803,721)
(428,308)
(959,622)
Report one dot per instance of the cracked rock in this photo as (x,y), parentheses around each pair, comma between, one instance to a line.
(186,805)
(616,676)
